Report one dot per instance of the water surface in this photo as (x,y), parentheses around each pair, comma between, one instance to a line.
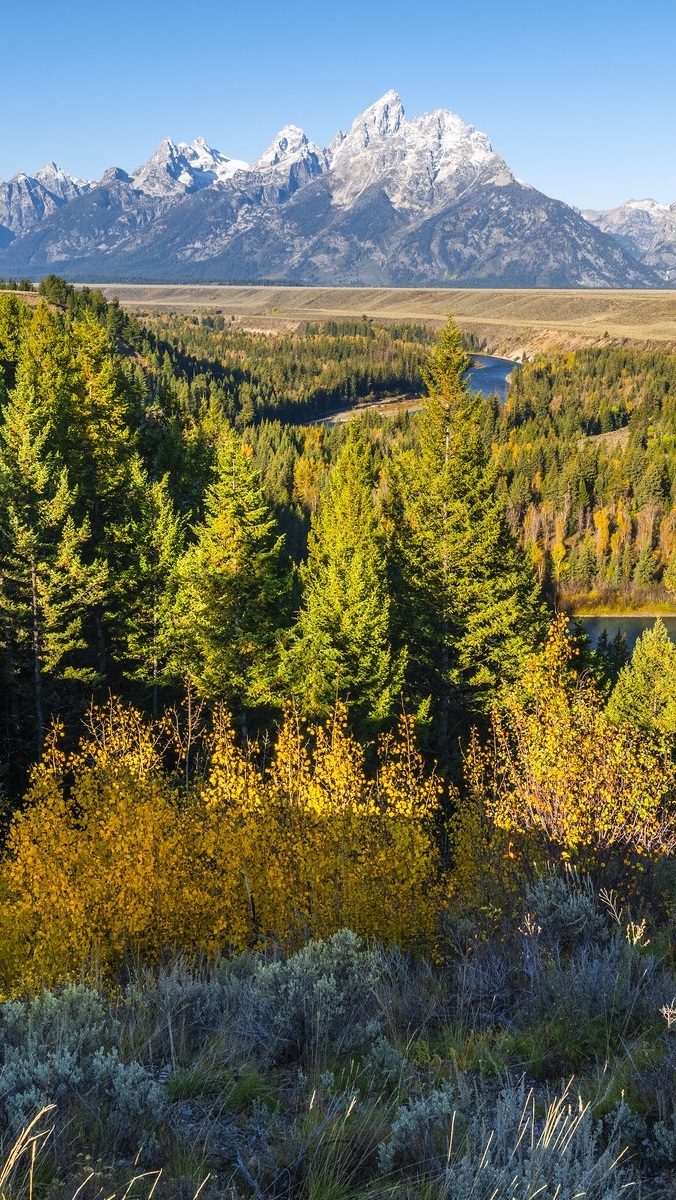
(631,627)
(490,374)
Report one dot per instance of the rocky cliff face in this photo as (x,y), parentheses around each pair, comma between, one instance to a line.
(28,200)
(394,201)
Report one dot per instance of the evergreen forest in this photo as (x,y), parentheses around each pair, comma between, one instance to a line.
(335,863)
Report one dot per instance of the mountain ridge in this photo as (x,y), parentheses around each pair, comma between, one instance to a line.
(645,228)
(394,201)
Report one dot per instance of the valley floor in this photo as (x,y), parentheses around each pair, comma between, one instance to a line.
(510,321)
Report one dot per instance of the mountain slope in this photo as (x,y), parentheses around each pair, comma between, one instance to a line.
(394,201)
(645,229)
(25,201)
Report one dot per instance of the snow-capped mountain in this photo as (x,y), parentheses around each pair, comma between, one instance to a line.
(421,201)
(290,161)
(26,200)
(419,164)
(645,228)
(176,169)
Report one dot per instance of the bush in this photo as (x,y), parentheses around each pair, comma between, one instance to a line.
(112,855)
(509,1147)
(57,1048)
(319,1001)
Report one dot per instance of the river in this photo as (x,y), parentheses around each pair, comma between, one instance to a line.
(488,375)
(631,627)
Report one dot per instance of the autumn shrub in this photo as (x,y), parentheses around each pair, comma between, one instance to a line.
(113,858)
(98,862)
(318,845)
(558,781)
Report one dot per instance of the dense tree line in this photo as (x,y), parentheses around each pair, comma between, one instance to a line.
(586,451)
(584,455)
(16,285)
(295,375)
(140,553)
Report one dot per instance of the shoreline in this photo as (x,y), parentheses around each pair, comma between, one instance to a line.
(620,614)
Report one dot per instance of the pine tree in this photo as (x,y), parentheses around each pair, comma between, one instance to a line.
(645,692)
(234,590)
(149,542)
(47,588)
(468,605)
(644,571)
(342,645)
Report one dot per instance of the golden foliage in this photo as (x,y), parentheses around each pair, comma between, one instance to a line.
(111,857)
(559,778)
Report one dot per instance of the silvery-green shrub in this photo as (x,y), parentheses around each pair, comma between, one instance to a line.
(318,1000)
(59,1048)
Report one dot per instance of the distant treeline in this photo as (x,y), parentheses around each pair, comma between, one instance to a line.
(13,285)
(297,375)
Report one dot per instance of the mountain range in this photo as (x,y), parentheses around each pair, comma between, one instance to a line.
(393,202)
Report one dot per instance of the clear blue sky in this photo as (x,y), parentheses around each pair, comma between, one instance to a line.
(580,98)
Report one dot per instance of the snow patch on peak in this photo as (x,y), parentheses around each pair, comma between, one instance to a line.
(646,228)
(418,163)
(210,164)
(290,140)
(51,170)
(175,169)
(59,182)
(647,205)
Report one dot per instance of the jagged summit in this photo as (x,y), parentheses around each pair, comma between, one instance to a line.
(381,119)
(289,141)
(59,181)
(645,229)
(176,168)
(419,163)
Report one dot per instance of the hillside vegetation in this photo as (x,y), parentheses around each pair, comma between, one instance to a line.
(333,865)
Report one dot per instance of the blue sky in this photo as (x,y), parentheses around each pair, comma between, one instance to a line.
(580,99)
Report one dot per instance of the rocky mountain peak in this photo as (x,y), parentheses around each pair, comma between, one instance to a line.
(208,165)
(290,141)
(380,120)
(114,175)
(59,182)
(419,164)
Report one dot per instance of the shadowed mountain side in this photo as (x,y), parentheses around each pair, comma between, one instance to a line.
(509,236)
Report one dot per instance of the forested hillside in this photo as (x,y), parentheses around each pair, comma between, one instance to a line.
(329,855)
(140,553)
(586,450)
(583,447)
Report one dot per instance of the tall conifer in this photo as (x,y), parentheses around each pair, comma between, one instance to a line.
(233,589)
(467,604)
(343,640)
(150,539)
(47,588)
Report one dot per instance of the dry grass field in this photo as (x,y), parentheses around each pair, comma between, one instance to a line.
(509,320)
